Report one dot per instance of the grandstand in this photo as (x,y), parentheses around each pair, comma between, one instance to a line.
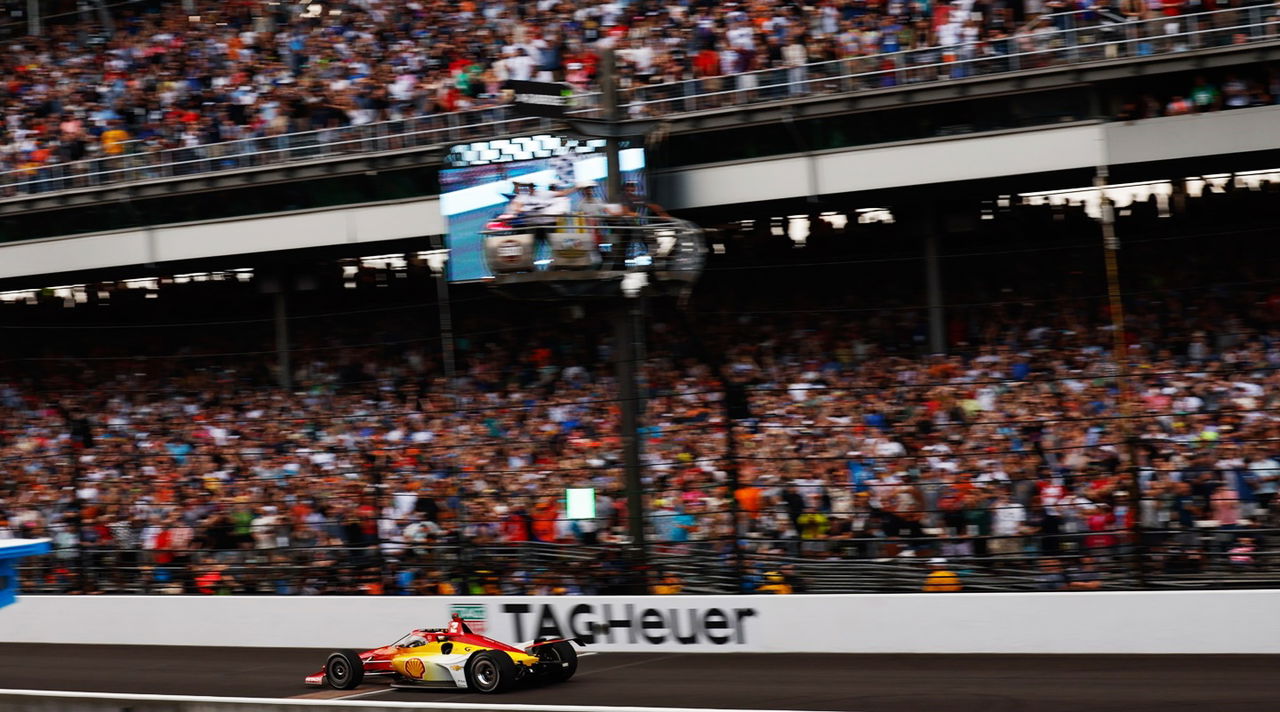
(929,368)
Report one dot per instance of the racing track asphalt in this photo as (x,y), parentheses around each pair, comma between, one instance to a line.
(851,683)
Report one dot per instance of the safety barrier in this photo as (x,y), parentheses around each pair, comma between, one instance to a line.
(1097,622)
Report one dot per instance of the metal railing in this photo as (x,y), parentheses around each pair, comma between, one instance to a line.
(1083,39)
(140,163)
(1198,558)
(1037,47)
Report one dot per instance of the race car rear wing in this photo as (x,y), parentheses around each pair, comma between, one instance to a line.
(577,641)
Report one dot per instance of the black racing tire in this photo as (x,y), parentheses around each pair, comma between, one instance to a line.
(490,671)
(561,652)
(344,670)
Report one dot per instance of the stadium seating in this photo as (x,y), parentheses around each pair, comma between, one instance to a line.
(160,457)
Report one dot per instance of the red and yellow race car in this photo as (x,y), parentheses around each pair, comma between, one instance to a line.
(452,657)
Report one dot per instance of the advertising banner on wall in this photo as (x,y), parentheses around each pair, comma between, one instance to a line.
(633,624)
(544,99)
(1105,622)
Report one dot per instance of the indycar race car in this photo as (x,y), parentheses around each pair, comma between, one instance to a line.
(452,657)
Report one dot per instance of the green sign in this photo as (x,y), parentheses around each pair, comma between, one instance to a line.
(471,613)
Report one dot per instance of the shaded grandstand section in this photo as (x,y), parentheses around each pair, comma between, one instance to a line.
(375,475)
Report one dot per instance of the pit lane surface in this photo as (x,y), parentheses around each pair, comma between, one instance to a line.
(851,683)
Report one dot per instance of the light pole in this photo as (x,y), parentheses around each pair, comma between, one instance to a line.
(438,261)
(33,18)
(619,284)
(1119,347)
(628,338)
(736,407)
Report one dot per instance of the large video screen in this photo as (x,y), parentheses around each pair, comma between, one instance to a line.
(476,185)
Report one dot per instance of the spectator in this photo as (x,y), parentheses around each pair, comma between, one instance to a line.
(1205,96)
(775,583)
(669,585)
(858,446)
(148,83)
(1051,577)
(1178,106)
(114,138)
(1086,576)
(1008,524)
(941,579)
(1242,554)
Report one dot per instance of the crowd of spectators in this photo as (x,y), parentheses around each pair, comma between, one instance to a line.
(1204,95)
(186,74)
(371,475)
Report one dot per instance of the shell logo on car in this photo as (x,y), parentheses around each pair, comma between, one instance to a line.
(415,668)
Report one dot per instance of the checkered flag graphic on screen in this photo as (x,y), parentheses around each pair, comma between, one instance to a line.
(563,167)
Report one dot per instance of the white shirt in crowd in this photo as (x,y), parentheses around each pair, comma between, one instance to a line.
(521,67)
(795,54)
(1007,518)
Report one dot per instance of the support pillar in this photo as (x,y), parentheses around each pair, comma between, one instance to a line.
(33,18)
(612,114)
(933,289)
(446,328)
(735,407)
(285,375)
(104,16)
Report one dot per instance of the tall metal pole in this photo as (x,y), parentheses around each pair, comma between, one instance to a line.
(285,377)
(1119,347)
(440,268)
(77,475)
(734,400)
(376,464)
(626,335)
(82,555)
(104,16)
(612,115)
(77,435)
(33,18)
(446,327)
(462,555)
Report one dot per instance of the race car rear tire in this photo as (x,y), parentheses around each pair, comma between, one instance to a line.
(561,652)
(344,670)
(490,671)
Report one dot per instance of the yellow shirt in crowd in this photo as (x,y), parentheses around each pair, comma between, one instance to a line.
(942,582)
(113,141)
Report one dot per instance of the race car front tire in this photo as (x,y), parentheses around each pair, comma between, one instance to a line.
(558,653)
(490,671)
(344,670)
